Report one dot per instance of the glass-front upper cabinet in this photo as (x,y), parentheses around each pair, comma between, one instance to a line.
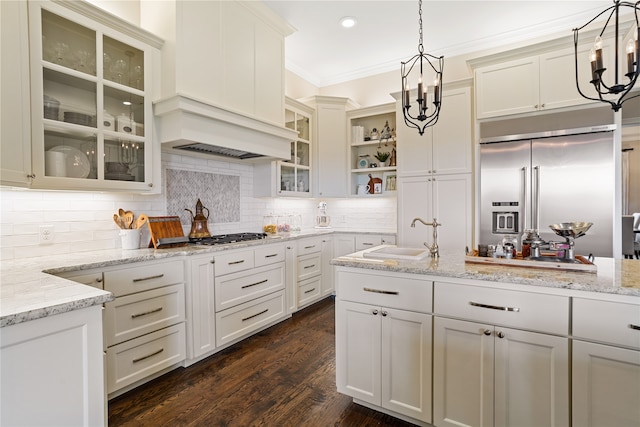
(91,104)
(294,174)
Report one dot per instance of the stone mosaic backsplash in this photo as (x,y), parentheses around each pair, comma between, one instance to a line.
(219,193)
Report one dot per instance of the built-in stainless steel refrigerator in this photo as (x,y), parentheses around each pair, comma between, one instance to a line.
(535,180)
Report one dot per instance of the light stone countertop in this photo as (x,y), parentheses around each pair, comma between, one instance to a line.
(30,289)
(619,277)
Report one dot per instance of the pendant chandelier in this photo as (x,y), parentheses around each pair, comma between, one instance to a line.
(613,92)
(424,115)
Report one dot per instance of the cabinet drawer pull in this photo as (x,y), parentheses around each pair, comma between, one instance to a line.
(367,244)
(159,276)
(310,290)
(378,291)
(255,284)
(235,262)
(140,359)
(636,327)
(310,247)
(255,315)
(155,310)
(270,255)
(309,266)
(493,307)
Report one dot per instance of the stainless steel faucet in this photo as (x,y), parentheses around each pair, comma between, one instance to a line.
(433,249)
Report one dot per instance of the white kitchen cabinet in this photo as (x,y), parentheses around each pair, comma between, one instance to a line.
(606,385)
(292,177)
(201,328)
(488,370)
(327,284)
(52,371)
(536,83)
(91,93)
(249,291)
(330,146)
(487,375)
(446,147)
(291,281)
(448,198)
(368,241)
(15,126)
(343,244)
(145,325)
(383,354)
(366,143)
(309,269)
(606,363)
(385,357)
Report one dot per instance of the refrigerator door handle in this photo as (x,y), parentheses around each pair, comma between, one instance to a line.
(536,199)
(523,199)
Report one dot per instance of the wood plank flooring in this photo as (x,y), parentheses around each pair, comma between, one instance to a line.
(283,376)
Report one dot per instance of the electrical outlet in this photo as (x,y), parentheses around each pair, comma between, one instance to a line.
(46,234)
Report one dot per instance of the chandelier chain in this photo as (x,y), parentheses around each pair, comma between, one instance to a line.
(420,46)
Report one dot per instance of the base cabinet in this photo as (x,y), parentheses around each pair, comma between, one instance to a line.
(52,371)
(486,375)
(606,385)
(201,327)
(383,357)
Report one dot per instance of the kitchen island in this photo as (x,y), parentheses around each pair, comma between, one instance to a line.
(442,342)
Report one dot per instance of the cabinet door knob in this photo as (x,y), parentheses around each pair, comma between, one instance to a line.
(535,106)
(31,175)
(375,312)
(384,313)
(500,334)
(486,332)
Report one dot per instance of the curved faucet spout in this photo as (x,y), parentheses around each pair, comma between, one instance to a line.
(433,249)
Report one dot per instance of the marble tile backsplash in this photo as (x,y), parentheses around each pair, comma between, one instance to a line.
(82,221)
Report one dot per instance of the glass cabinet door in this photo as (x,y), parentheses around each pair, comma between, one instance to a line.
(90,130)
(295,173)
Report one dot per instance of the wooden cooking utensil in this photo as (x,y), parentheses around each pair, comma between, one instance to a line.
(117,220)
(127,219)
(142,219)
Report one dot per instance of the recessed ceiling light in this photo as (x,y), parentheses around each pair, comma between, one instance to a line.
(348,21)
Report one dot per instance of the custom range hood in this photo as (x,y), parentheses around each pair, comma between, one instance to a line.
(192,127)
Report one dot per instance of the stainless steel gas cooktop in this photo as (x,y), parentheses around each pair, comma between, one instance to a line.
(222,239)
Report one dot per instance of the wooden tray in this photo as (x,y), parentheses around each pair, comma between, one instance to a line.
(584,265)
(166,232)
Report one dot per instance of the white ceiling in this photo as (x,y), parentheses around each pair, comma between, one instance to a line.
(323,53)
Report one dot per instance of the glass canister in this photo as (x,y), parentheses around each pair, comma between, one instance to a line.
(296,223)
(269,224)
(284,226)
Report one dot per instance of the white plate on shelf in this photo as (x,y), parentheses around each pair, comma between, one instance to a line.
(77,163)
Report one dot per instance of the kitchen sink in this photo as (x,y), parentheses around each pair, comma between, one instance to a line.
(394,252)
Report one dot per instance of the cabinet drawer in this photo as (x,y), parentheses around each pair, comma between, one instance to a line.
(137,359)
(243,319)
(367,241)
(142,277)
(523,310)
(134,315)
(309,290)
(309,266)
(232,262)
(610,322)
(92,279)
(269,255)
(309,246)
(234,289)
(414,294)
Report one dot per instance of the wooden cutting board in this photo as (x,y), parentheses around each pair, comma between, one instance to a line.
(166,232)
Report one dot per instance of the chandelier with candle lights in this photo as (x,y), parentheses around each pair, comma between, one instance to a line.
(423,115)
(616,90)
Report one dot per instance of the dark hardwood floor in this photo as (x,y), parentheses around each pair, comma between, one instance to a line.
(283,376)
